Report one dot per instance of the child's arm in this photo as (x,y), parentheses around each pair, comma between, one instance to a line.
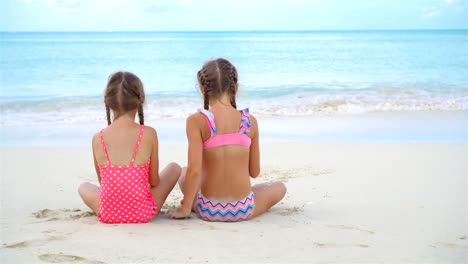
(96,165)
(254,162)
(194,168)
(154,166)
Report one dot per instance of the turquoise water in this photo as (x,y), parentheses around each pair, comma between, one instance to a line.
(58,78)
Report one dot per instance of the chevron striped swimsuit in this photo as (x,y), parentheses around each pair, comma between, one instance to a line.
(230,211)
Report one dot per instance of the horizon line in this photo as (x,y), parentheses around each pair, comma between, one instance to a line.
(219,31)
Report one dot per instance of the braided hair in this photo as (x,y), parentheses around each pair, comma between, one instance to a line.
(233,85)
(216,78)
(205,83)
(108,115)
(124,92)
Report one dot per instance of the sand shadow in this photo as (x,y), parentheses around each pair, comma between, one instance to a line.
(450,245)
(333,245)
(291,211)
(344,227)
(62,214)
(62,258)
(273,173)
(32,243)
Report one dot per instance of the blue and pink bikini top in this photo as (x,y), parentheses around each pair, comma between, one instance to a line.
(216,140)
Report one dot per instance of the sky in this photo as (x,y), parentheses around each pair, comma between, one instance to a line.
(207,15)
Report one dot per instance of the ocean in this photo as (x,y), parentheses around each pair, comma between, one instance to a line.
(59,78)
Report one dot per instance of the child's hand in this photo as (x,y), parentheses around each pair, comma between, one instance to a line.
(178,213)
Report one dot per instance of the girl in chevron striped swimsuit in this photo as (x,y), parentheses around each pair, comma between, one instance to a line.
(223,155)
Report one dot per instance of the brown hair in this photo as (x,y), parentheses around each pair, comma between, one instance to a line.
(216,78)
(124,92)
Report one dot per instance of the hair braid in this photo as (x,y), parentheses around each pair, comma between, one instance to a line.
(206,87)
(206,101)
(108,115)
(141,116)
(232,84)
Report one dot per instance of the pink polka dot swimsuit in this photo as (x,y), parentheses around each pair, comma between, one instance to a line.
(125,196)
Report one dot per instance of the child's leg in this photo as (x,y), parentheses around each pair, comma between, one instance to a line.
(181,186)
(266,195)
(167,181)
(90,195)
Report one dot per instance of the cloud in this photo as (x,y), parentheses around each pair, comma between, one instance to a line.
(431,12)
(158,7)
(452,2)
(70,3)
(58,3)
(444,8)
(84,6)
(128,15)
(61,6)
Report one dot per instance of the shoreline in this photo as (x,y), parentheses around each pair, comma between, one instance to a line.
(374,127)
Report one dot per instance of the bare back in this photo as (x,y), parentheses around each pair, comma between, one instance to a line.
(120,144)
(226,169)
(120,141)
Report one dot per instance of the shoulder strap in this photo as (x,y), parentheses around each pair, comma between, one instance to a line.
(137,147)
(209,120)
(245,121)
(104,148)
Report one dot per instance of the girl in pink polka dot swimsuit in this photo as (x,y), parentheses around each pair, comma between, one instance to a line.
(126,159)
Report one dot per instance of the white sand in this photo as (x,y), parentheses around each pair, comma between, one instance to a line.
(346,203)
